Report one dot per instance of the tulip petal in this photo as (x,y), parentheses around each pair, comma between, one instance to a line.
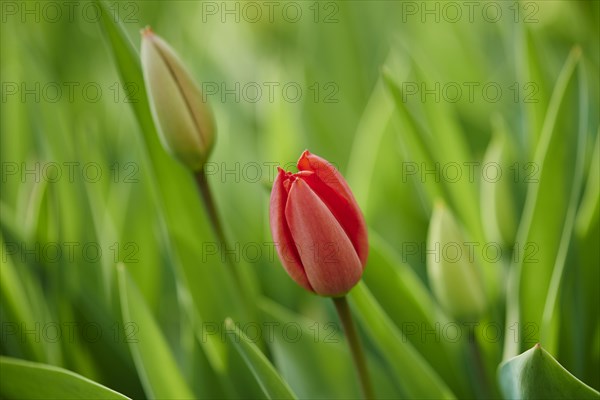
(332,189)
(284,244)
(328,256)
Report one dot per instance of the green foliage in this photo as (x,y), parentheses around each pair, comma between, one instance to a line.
(154,361)
(535,374)
(27,380)
(158,313)
(270,382)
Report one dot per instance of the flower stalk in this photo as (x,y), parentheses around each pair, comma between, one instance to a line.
(358,355)
(215,222)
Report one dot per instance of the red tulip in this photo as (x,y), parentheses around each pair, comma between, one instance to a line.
(319,231)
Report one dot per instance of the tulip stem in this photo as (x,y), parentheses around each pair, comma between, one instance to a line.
(358,355)
(215,222)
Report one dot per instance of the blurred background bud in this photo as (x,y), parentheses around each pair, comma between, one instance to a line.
(499,187)
(183,119)
(451,267)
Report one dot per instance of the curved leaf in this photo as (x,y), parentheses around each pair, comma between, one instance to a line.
(545,211)
(158,371)
(273,386)
(20,379)
(416,377)
(535,374)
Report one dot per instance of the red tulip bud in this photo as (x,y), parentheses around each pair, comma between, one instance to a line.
(319,231)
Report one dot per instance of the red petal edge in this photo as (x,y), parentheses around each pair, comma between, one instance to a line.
(284,243)
(328,256)
(331,187)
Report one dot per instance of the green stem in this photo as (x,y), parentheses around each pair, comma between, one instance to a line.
(213,216)
(358,356)
(215,221)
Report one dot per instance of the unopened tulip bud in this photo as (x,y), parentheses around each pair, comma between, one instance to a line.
(182,117)
(320,233)
(451,267)
(498,204)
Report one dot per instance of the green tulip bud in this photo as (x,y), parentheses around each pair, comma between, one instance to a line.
(184,121)
(451,267)
(498,204)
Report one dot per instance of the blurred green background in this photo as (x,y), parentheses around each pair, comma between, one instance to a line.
(377,97)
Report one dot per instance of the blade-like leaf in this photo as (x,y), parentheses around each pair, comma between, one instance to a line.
(158,370)
(418,143)
(584,304)
(550,317)
(21,379)
(530,70)
(544,213)
(16,303)
(414,374)
(273,386)
(590,203)
(535,374)
(369,132)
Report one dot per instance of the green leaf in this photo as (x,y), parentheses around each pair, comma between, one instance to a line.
(530,70)
(535,374)
(21,379)
(314,358)
(550,318)
(545,211)
(418,143)
(585,310)
(314,365)
(579,301)
(17,304)
(416,377)
(442,134)
(157,369)
(590,203)
(371,128)
(450,148)
(273,386)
